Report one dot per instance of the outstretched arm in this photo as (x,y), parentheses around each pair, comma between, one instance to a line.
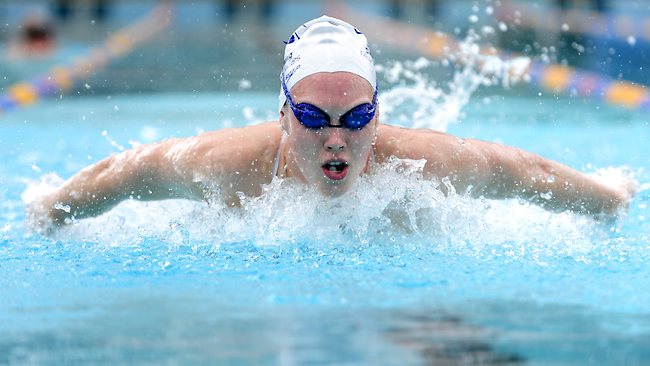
(232,160)
(508,172)
(496,171)
(147,172)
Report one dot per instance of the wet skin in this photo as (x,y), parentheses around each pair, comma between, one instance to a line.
(241,160)
(312,155)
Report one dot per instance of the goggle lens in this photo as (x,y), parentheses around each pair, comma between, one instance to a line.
(313,117)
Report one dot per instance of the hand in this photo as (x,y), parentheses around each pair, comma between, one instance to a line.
(38,219)
(623,186)
(39,206)
(627,188)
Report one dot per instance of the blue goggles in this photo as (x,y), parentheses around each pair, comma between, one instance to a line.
(315,118)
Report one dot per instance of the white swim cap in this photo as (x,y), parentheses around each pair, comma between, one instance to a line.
(326,44)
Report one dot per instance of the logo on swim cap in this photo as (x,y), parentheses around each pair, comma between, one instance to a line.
(293,38)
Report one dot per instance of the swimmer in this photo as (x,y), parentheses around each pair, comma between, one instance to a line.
(37,39)
(328,134)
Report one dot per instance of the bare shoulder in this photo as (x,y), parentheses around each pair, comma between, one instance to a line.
(445,154)
(239,147)
(254,140)
(237,157)
(414,143)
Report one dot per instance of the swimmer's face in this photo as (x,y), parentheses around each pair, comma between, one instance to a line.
(329,158)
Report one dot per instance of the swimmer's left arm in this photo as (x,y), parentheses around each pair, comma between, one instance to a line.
(498,171)
(495,171)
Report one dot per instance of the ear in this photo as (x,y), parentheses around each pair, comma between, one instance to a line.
(376,119)
(375,126)
(284,120)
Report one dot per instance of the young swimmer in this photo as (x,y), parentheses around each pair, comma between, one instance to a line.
(328,134)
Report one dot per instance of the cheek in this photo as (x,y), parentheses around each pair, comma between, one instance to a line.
(305,146)
(362,141)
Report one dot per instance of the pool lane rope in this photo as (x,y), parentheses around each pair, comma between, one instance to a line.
(553,20)
(61,78)
(552,77)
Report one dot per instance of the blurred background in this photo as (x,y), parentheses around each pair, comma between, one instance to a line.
(49,48)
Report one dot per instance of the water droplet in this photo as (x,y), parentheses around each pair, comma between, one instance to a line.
(244,84)
(59,206)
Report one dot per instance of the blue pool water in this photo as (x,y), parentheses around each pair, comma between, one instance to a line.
(291,278)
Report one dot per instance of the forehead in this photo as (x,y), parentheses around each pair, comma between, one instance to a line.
(333,83)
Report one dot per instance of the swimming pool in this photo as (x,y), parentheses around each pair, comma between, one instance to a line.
(291,278)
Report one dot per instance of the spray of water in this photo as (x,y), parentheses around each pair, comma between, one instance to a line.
(394,205)
(415,99)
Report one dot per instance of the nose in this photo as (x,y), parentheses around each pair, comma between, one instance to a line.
(334,141)
(335,147)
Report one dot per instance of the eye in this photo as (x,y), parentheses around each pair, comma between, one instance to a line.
(358,116)
(313,120)
(311,116)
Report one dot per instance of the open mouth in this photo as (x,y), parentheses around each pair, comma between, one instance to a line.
(335,169)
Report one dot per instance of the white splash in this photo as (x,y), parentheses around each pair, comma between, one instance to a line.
(32,197)
(417,100)
(112,141)
(393,206)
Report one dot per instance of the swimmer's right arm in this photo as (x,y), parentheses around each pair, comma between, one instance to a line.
(232,160)
(147,172)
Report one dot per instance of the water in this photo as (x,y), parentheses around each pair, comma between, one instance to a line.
(294,278)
